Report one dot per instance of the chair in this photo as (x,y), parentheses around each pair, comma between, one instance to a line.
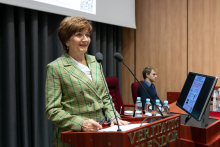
(134,90)
(114,91)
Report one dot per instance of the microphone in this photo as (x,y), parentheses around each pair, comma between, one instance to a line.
(99,57)
(119,58)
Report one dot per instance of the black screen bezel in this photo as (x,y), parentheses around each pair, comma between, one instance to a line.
(204,95)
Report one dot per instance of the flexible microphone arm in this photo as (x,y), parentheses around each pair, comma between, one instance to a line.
(119,58)
(98,57)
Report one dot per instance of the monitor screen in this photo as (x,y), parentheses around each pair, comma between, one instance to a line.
(196,94)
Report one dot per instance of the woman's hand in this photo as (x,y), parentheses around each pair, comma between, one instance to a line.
(120,122)
(90,125)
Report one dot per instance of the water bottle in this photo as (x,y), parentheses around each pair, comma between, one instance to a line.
(148,108)
(215,94)
(156,111)
(138,108)
(218,99)
(165,108)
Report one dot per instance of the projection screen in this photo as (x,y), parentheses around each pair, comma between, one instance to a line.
(115,12)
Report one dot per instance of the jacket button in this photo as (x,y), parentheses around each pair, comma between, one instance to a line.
(81,93)
(99,101)
(89,104)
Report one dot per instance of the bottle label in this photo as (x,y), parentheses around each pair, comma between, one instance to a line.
(138,114)
(214,107)
(164,113)
(155,108)
(157,115)
(148,114)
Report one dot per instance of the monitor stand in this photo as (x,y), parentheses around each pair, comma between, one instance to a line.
(205,121)
(205,117)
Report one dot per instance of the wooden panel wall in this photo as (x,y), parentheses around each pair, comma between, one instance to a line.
(175,36)
(161,42)
(128,51)
(204,37)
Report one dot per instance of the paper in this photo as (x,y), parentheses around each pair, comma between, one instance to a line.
(123,128)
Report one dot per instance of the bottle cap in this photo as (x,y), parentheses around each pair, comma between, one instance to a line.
(138,99)
(165,102)
(147,100)
(157,101)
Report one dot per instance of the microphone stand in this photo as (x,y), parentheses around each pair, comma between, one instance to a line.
(109,96)
(144,90)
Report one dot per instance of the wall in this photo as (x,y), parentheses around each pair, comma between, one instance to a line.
(204,36)
(128,51)
(175,37)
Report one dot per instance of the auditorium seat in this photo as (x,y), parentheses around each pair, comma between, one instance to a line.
(114,91)
(134,90)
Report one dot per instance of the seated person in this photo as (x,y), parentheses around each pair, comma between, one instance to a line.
(149,75)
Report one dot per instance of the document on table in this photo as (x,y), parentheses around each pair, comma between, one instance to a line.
(123,128)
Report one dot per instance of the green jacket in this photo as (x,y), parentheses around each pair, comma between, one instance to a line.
(71,97)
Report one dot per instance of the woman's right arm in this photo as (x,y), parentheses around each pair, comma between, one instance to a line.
(53,96)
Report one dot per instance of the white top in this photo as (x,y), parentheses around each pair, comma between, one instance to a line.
(84,68)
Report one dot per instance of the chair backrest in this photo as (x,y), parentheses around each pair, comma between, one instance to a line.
(134,90)
(114,91)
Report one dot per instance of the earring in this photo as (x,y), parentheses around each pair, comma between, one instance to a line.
(67,48)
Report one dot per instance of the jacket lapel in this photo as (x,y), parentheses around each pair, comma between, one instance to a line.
(73,69)
(94,67)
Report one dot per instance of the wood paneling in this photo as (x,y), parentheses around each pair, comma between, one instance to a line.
(172,97)
(172,43)
(204,36)
(127,52)
(161,41)
(192,136)
(168,137)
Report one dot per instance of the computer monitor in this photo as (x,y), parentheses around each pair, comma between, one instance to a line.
(196,93)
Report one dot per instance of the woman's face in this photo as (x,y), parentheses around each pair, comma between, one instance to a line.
(79,42)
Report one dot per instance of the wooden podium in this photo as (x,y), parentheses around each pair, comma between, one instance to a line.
(194,136)
(162,132)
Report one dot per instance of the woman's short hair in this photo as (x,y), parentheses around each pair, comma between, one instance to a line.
(147,70)
(71,25)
